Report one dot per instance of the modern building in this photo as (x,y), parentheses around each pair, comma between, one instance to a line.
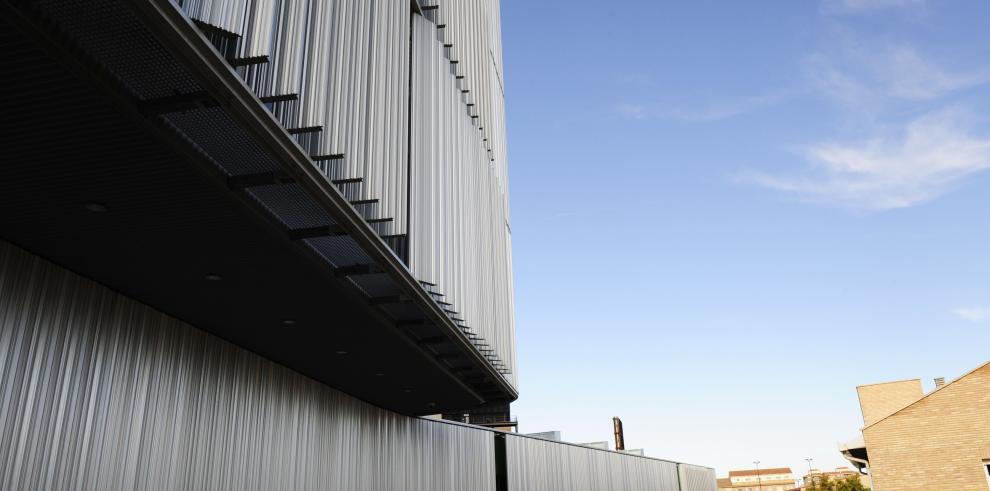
(600,445)
(245,244)
(771,479)
(553,435)
(917,441)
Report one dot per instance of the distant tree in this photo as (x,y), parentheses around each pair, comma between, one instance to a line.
(851,483)
(821,483)
(824,483)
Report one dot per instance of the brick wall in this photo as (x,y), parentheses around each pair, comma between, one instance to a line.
(938,443)
(880,400)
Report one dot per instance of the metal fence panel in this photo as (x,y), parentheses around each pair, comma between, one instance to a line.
(540,465)
(697,478)
(98,391)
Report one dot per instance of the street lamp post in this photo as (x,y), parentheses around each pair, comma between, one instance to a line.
(759,479)
(808,460)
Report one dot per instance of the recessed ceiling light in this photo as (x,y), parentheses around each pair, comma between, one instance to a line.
(96,207)
(341,352)
(407,390)
(213,277)
(289,322)
(379,374)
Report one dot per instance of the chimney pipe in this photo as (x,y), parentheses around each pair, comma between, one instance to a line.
(620,441)
(939,382)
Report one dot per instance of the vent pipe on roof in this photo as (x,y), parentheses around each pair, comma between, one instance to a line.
(939,382)
(620,441)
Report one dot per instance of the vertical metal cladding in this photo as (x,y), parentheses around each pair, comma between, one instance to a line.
(100,392)
(338,72)
(472,32)
(697,478)
(541,465)
(460,240)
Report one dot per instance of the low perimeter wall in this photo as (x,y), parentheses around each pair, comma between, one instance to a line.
(98,391)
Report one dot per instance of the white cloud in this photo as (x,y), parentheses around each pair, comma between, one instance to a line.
(912,77)
(888,165)
(704,111)
(862,77)
(916,164)
(837,82)
(635,79)
(972,314)
(715,111)
(864,6)
(632,111)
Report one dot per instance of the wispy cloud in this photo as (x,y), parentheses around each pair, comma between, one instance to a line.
(836,82)
(705,111)
(892,162)
(635,79)
(865,6)
(919,162)
(715,111)
(910,76)
(632,111)
(972,314)
(860,77)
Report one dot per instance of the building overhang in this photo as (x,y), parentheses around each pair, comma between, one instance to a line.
(855,452)
(133,155)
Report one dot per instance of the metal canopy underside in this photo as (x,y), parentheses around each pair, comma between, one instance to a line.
(134,158)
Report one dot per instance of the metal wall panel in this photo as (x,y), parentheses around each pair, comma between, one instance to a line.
(540,465)
(460,241)
(472,31)
(437,115)
(346,63)
(697,478)
(100,392)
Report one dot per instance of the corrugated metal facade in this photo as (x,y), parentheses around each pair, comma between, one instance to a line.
(697,478)
(541,465)
(340,73)
(100,392)
(339,69)
(460,243)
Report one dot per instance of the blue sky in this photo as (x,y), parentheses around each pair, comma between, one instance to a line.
(727,215)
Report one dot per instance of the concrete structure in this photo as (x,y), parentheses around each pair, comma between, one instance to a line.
(771,479)
(599,445)
(939,440)
(245,244)
(553,435)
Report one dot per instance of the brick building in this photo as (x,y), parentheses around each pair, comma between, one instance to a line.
(917,441)
(772,479)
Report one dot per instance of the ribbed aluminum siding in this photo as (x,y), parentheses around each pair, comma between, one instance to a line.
(697,478)
(540,465)
(349,63)
(473,30)
(100,392)
(460,242)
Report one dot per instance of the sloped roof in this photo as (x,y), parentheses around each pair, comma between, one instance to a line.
(762,472)
(926,396)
